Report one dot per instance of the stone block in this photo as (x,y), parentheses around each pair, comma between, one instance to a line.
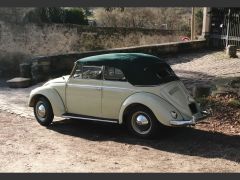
(25,70)
(201,91)
(232,51)
(40,72)
(19,82)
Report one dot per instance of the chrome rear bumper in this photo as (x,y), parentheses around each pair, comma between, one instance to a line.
(193,121)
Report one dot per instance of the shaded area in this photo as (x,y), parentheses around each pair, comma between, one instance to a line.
(186,141)
(193,78)
(3,82)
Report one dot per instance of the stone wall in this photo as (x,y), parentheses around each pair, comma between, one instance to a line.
(14,14)
(47,67)
(21,42)
(50,39)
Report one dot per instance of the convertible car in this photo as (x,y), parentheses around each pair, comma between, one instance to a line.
(135,89)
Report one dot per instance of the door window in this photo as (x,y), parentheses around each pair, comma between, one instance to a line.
(88,72)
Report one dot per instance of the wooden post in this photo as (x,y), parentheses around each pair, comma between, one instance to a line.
(228,25)
(193,24)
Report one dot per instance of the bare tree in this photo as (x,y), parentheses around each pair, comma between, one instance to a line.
(174,18)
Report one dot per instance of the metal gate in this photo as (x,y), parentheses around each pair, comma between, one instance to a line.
(225,27)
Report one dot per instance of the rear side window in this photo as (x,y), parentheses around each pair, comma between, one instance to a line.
(113,74)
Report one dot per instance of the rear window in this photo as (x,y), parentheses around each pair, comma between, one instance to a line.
(153,74)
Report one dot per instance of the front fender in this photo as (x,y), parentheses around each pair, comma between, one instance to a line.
(159,106)
(52,95)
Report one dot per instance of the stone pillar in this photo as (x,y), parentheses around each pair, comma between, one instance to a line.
(231,51)
(206,22)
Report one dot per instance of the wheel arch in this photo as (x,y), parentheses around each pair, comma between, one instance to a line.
(128,109)
(35,98)
(52,96)
(157,105)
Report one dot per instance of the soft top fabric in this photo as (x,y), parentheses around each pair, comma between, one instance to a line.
(137,67)
(120,58)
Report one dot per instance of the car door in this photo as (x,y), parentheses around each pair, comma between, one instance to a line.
(114,92)
(83,91)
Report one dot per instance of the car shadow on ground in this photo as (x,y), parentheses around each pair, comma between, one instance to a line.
(185,141)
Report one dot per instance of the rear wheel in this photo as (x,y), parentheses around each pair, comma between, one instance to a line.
(43,111)
(142,122)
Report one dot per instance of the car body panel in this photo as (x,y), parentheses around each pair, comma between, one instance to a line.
(176,95)
(83,96)
(52,95)
(160,107)
(114,93)
(59,84)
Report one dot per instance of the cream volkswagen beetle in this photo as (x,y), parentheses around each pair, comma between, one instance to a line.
(137,89)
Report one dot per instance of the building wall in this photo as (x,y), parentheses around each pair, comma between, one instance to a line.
(20,42)
(47,67)
(13,15)
(49,39)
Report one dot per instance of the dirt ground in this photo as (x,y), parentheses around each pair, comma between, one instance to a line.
(80,146)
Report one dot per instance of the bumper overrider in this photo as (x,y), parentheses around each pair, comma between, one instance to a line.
(195,118)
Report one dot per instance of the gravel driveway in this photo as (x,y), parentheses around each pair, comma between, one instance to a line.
(204,67)
(76,146)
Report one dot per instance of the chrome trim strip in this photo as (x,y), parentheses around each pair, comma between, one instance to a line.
(73,70)
(89,119)
(117,88)
(99,87)
(86,86)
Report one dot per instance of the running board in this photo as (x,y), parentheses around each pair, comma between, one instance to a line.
(73,116)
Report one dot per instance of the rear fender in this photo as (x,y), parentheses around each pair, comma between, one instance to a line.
(159,106)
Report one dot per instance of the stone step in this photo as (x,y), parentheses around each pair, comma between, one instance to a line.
(19,82)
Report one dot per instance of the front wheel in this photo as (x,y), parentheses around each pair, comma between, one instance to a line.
(142,122)
(43,111)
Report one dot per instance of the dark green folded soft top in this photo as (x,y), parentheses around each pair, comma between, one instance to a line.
(120,58)
(138,68)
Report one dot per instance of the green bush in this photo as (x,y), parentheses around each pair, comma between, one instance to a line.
(199,21)
(45,15)
(75,16)
(57,15)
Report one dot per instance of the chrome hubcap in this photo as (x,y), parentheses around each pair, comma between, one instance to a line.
(141,122)
(41,110)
